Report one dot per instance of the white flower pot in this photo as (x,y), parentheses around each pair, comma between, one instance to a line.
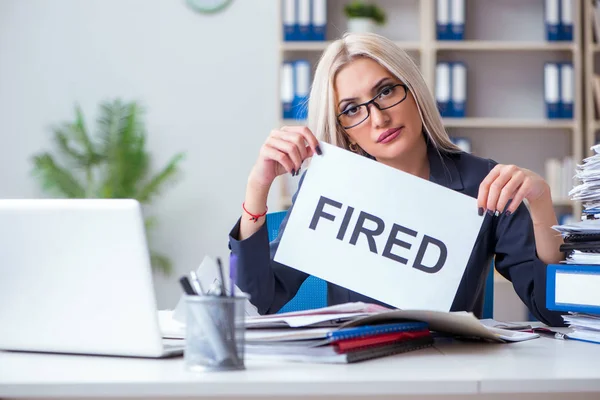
(361,25)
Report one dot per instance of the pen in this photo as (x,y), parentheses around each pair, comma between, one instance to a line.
(187,287)
(222,276)
(550,333)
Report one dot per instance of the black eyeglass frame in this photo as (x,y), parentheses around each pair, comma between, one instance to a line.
(372,101)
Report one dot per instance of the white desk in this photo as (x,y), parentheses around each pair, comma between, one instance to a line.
(539,369)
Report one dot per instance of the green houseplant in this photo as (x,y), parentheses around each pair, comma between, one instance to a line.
(363,16)
(114,163)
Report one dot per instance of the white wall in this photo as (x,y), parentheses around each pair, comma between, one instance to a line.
(208,84)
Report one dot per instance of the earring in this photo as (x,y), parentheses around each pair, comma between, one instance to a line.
(353,147)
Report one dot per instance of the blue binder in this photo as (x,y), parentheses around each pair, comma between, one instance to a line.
(458,89)
(566,20)
(318,20)
(304,19)
(567,91)
(443,20)
(577,272)
(457,19)
(552,90)
(290,20)
(301,89)
(552,19)
(287,90)
(443,88)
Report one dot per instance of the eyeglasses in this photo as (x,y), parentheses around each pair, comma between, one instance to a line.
(388,97)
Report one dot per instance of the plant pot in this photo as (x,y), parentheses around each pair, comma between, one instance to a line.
(361,25)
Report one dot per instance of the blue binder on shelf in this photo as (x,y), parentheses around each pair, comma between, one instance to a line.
(552,19)
(287,90)
(442,22)
(442,88)
(457,19)
(290,20)
(304,19)
(318,20)
(458,89)
(552,90)
(301,89)
(566,21)
(574,288)
(566,90)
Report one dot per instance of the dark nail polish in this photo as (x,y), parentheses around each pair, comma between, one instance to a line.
(298,172)
(294,172)
(507,213)
(490,212)
(319,152)
(480,210)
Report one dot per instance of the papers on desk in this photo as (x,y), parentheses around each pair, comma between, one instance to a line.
(363,335)
(586,327)
(461,324)
(322,317)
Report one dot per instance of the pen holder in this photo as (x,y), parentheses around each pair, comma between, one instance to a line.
(214,333)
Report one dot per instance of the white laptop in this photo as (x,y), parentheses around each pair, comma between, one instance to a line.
(75,277)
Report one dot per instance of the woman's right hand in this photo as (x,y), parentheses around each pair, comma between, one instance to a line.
(283,151)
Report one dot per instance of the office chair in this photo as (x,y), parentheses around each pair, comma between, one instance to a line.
(313,292)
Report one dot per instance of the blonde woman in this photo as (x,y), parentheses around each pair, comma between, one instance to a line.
(369,97)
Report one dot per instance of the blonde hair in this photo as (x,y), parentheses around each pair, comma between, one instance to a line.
(322,117)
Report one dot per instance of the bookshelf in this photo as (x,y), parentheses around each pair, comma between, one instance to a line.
(504,52)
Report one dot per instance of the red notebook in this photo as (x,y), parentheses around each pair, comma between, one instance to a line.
(348,345)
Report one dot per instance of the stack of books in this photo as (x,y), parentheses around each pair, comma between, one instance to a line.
(343,345)
(574,285)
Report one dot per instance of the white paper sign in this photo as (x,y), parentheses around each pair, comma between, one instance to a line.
(381,232)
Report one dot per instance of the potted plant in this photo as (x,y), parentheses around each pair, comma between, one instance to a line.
(363,17)
(113,164)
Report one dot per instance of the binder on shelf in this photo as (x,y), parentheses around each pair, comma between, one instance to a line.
(290,20)
(442,22)
(457,19)
(458,89)
(566,20)
(301,89)
(287,90)
(573,287)
(442,88)
(319,20)
(552,19)
(566,90)
(551,90)
(304,20)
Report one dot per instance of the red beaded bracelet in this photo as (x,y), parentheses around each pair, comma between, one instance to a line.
(254,217)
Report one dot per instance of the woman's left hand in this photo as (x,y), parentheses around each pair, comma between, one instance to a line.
(506,182)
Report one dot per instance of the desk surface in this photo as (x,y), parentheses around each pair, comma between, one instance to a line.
(538,366)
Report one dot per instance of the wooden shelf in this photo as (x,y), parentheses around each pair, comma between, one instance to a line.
(491,45)
(504,123)
(508,123)
(320,46)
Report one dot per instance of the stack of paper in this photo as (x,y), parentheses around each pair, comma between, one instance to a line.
(342,345)
(588,192)
(582,239)
(586,327)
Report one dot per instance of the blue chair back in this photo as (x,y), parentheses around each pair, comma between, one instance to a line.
(313,292)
